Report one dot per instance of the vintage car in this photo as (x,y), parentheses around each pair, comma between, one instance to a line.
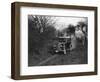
(62,46)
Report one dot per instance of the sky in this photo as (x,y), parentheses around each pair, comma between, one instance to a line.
(63,22)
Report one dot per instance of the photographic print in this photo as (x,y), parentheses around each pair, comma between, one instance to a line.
(50,40)
(57,40)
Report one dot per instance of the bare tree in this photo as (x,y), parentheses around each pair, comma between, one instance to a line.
(84,29)
(82,25)
(42,22)
(40,30)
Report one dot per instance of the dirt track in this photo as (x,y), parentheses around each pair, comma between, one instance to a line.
(77,56)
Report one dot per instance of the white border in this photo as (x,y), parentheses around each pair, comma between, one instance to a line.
(37,70)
